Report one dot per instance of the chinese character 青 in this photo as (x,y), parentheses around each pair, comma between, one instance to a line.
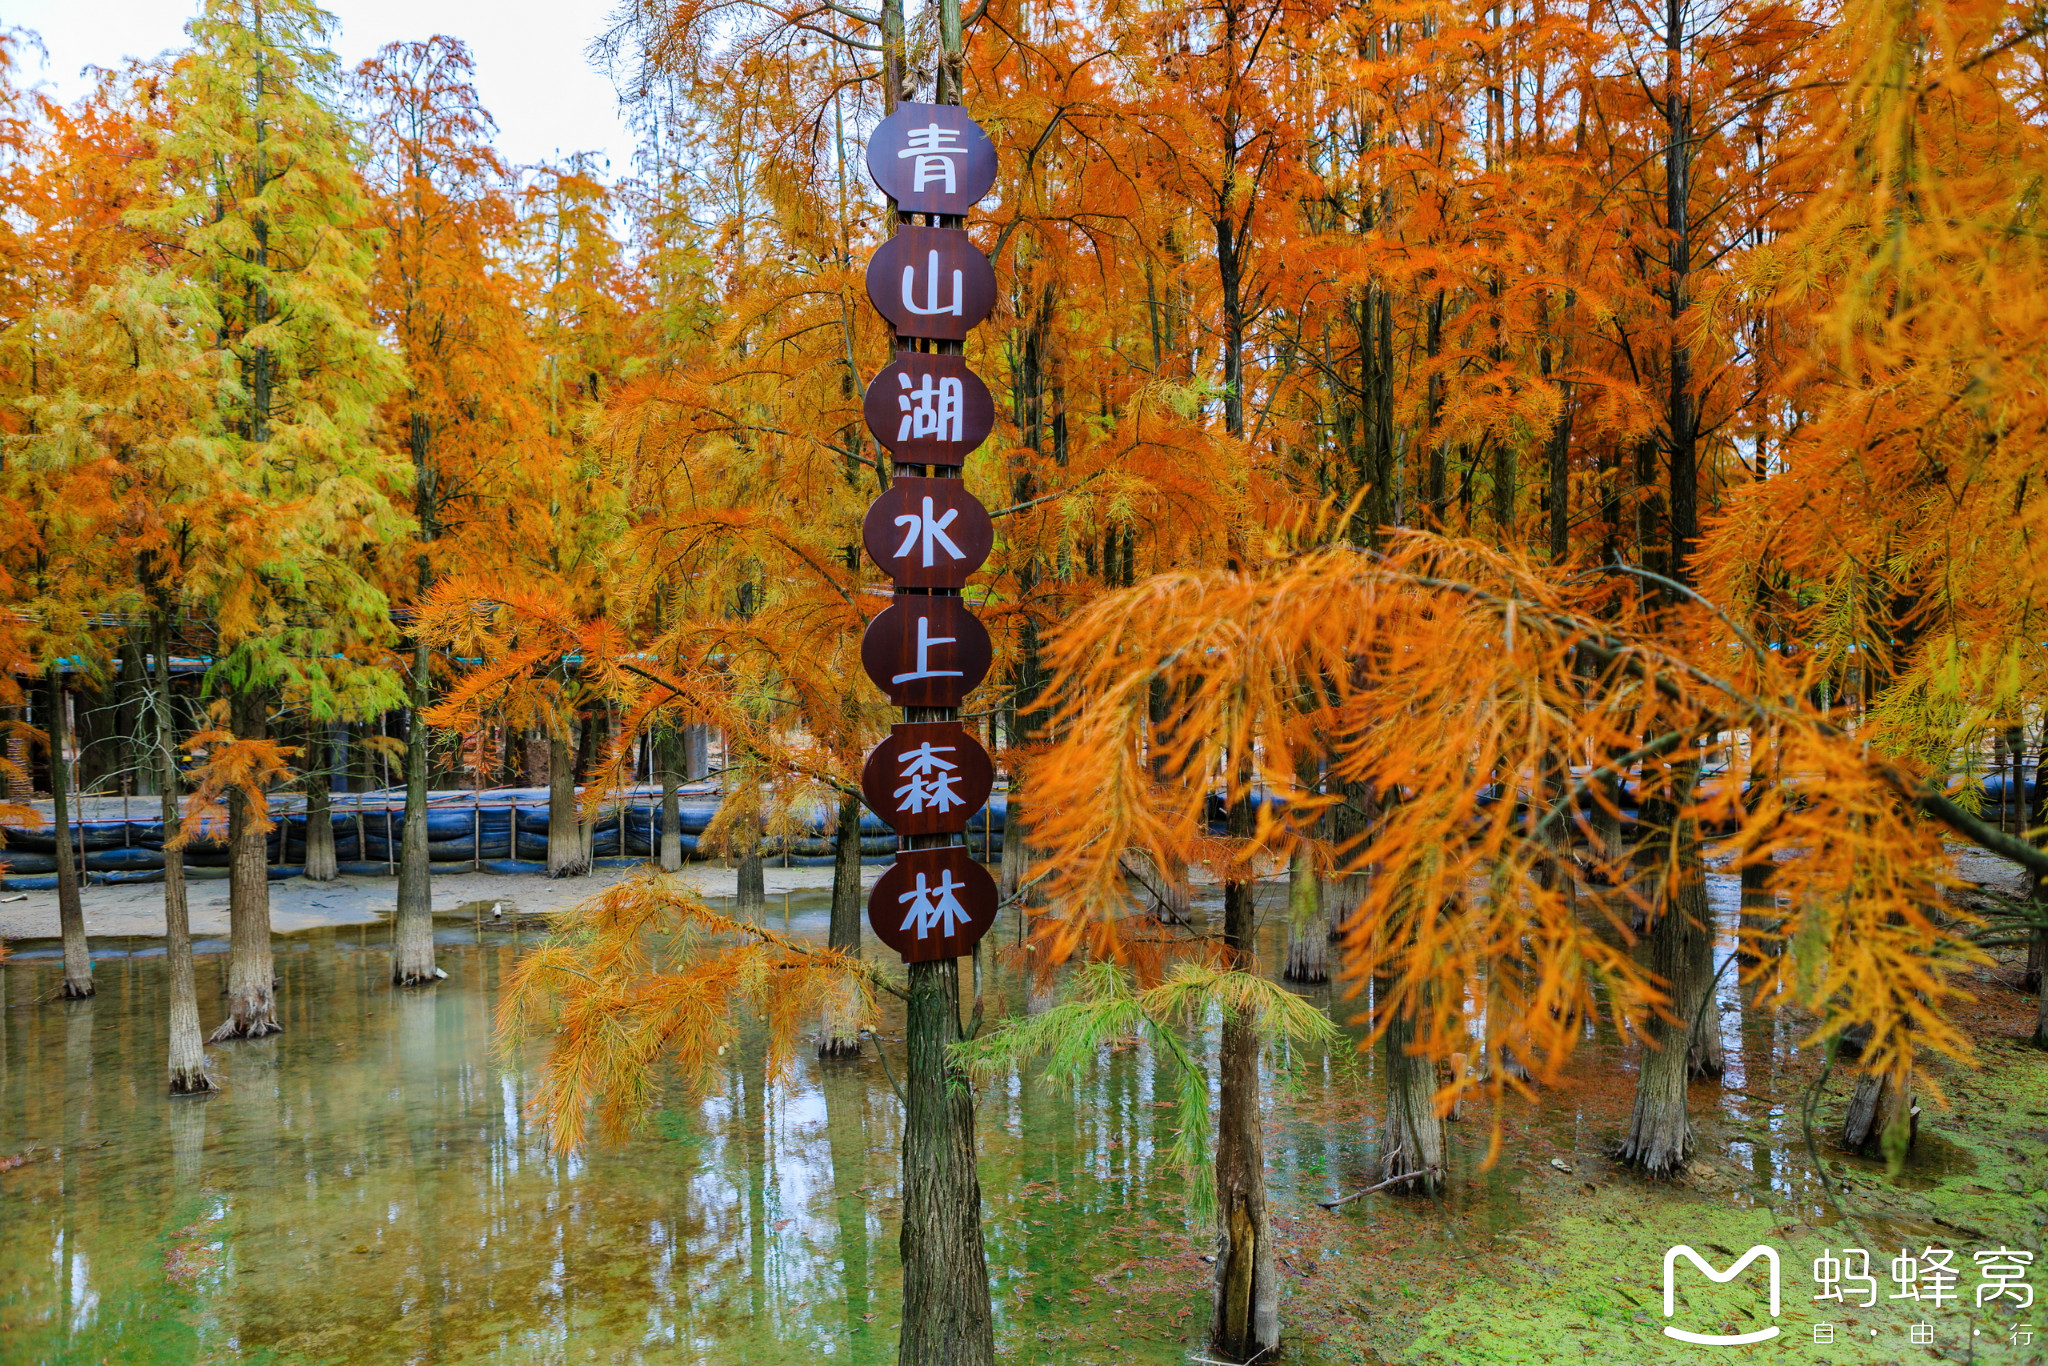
(931,155)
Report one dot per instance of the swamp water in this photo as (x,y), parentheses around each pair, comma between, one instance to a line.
(369,1189)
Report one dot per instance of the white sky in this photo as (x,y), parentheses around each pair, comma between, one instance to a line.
(530,69)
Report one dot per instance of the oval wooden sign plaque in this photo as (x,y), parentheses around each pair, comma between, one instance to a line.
(932,158)
(927,778)
(932,283)
(928,533)
(932,904)
(929,409)
(926,651)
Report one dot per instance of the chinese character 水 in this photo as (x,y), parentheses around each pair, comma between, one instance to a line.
(924,533)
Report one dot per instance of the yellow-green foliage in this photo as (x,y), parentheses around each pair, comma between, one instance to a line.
(645,975)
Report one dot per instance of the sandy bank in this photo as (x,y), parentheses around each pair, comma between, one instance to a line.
(296,904)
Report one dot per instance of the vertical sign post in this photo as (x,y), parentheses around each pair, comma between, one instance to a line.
(926,650)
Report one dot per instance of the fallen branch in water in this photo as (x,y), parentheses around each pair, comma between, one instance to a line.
(1390,1181)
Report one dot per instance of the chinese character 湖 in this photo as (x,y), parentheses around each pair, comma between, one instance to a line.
(936,408)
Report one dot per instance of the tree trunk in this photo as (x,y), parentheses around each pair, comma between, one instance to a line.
(2038,956)
(1414,1144)
(946,1315)
(696,752)
(20,785)
(252,1007)
(70,907)
(671,847)
(412,949)
(1308,928)
(1880,1113)
(188,1050)
(1705,1054)
(2041,1005)
(536,774)
(1660,1133)
(743,785)
(840,1034)
(321,864)
(566,855)
(1245,1323)
(1016,865)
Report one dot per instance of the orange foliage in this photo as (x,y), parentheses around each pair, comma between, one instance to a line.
(1470,697)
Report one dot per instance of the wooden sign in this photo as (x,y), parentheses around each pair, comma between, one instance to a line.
(932,904)
(929,409)
(926,651)
(927,778)
(928,533)
(932,283)
(932,158)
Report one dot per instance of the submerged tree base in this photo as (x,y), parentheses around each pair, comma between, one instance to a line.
(77,988)
(248,1018)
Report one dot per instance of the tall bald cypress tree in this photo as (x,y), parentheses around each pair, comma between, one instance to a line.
(263,216)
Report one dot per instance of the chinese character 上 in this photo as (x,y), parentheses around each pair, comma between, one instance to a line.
(930,153)
(2004,1273)
(925,641)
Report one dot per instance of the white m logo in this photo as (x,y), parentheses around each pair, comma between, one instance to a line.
(1671,1256)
